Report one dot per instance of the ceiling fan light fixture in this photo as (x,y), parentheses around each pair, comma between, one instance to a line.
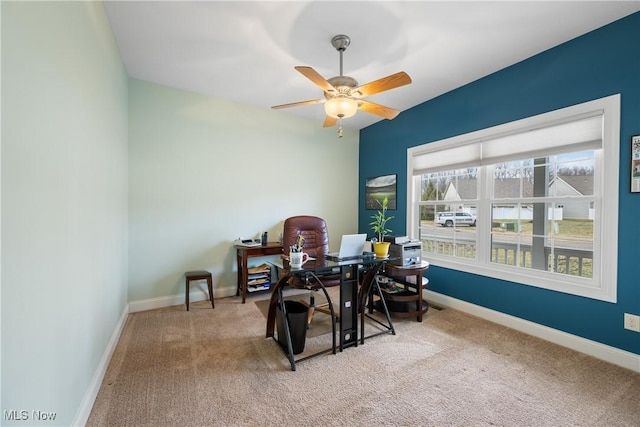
(343,97)
(341,107)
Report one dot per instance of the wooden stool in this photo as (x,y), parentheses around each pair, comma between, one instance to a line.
(199,275)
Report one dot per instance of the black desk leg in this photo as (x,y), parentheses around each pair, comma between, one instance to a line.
(384,306)
(348,306)
(331,310)
(368,300)
(287,331)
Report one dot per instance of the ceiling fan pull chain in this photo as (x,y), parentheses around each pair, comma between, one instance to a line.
(340,127)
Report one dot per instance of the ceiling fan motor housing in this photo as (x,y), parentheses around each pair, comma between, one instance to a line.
(343,84)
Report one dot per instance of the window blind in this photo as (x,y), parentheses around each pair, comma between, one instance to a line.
(579,133)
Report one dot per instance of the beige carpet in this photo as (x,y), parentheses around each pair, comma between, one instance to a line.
(215,367)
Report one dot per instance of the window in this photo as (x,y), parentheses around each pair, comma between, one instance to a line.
(525,201)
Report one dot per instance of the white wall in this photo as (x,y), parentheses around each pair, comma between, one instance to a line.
(205,171)
(64,203)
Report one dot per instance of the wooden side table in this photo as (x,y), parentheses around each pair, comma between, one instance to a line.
(408,302)
(243,253)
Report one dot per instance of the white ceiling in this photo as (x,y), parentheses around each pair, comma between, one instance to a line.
(245,51)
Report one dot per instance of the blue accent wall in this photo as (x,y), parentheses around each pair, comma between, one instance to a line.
(603,62)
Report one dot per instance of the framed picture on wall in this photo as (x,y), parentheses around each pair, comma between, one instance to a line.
(635,164)
(377,188)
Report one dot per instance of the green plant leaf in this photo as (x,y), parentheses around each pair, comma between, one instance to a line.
(380,219)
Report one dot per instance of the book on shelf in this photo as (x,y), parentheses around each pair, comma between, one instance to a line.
(258,281)
(259,287)
(392,288)
(388,285)
(262,268)
(259,278)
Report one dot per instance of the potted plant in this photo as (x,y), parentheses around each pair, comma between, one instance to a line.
(379,227)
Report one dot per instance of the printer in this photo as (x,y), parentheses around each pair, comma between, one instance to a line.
(404,251)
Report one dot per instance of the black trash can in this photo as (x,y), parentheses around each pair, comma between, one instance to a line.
(297,317)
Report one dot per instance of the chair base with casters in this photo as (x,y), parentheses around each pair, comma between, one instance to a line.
(198,275)
(312,307)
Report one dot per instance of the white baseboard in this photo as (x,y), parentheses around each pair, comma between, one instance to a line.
(195,294)
(86,405)
(598,350)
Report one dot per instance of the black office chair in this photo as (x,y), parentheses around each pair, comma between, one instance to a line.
(316,243)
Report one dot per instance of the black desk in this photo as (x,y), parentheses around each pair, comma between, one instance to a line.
(312,272)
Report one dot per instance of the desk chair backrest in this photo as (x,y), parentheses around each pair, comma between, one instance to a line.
(314,231)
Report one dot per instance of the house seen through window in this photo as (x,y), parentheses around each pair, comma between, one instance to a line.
(526,201)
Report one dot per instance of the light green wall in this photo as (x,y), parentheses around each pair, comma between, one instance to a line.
(205,171)
(91,220)
(64,203)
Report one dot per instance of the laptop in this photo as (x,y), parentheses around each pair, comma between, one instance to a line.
(351,247)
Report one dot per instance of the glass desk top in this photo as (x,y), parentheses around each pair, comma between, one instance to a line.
(325,264)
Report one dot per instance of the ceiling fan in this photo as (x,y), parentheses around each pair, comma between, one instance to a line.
(343,96)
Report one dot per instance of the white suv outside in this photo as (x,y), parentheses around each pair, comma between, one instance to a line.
(448,219)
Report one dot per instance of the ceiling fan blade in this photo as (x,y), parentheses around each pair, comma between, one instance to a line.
(390,82)
(298,104)
(316,78)
(377,109)
(329,121)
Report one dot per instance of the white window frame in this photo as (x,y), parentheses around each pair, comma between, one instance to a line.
(603,284)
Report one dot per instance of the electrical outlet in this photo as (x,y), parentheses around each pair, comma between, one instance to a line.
(632,322)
